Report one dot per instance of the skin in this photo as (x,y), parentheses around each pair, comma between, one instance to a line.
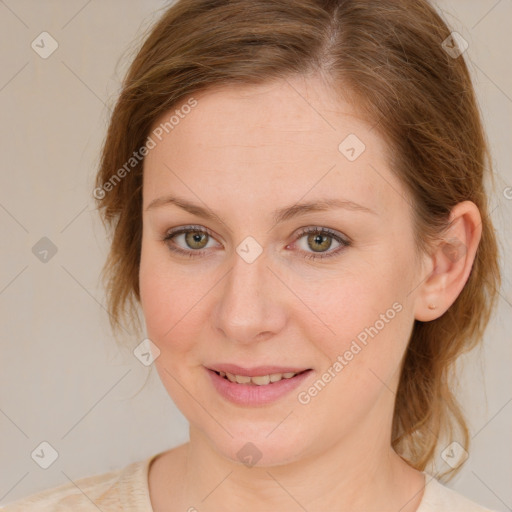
(243,152)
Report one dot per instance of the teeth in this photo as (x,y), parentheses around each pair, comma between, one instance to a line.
(259,380)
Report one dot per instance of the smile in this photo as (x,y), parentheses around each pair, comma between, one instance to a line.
(258,380)
(256,390)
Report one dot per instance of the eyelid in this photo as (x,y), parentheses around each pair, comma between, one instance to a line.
(340,237)
(187,228)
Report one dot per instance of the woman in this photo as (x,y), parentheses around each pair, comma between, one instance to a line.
(296,191)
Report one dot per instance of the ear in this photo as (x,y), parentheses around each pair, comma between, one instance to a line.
(450,263)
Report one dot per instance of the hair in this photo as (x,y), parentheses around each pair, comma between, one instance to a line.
(388,57)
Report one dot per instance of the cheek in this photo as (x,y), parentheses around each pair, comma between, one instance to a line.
(365,335)
(173,301)
(366,316)
(165,296)
(362,356)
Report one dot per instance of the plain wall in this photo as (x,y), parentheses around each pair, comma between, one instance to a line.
(62,379)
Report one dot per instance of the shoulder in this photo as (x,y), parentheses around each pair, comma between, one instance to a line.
(439,498)
(84,494)
(106,491)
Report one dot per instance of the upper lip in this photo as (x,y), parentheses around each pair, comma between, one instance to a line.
(255,370)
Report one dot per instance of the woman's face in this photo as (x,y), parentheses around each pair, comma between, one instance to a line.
(247,286)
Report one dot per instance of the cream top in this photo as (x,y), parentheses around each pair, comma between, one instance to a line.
(127,489)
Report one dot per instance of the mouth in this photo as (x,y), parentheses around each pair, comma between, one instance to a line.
(263,386)
(258,380)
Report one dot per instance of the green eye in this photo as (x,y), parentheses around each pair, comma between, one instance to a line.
(320,240)
(195,238)
(195,241)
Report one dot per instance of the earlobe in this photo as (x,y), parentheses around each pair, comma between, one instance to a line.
(451,262)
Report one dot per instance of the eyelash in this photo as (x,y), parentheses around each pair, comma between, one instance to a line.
(306,231)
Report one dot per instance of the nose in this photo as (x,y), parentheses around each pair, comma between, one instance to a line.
(251,305)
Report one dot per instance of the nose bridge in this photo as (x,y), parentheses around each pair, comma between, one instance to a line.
(249,305)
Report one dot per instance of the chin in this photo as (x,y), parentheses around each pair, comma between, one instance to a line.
(254,447)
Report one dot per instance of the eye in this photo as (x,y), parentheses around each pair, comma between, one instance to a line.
(320,240)
(194,239)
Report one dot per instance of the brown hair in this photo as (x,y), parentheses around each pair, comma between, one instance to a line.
(389,56)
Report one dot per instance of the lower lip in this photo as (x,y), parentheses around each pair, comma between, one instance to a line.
(253,395)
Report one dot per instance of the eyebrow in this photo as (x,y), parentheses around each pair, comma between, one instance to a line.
(279,215)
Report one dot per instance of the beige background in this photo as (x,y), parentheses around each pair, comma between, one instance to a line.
(62,380)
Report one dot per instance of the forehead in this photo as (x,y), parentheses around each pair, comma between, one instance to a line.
(276,141)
